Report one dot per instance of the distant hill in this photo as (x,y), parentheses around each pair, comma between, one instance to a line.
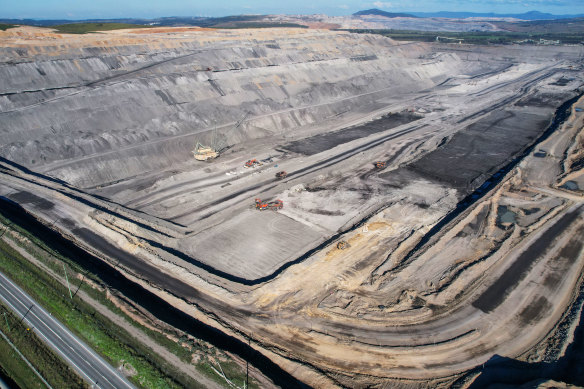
(573,27)
(531,15)
(379,12)
(165,21)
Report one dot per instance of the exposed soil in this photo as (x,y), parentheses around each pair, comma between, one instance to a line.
(464,247)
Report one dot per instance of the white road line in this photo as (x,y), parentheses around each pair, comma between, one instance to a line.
(41,334)
(70,336)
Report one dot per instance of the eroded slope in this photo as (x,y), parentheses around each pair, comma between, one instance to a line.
(466,245)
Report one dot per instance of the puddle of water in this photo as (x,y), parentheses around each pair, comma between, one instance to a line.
(506,216)
(571,185)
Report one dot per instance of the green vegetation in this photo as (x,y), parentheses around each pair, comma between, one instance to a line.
(556,26)
(257,25)
(5,27)
(211,22)
(243,21)
(104,336)
(379,12)
(84,28)
(476,38)
(111,341)
(50,366)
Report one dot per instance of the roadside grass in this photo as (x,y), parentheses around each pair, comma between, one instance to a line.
(231,371)
(78,277)
(84,28)
(55,261)
(111,341)
(5,27)
(50,365)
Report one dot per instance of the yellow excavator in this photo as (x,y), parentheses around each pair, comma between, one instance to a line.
(204,153)
(207,153)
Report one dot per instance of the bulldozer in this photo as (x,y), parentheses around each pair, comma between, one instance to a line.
(379,164)
(281,175)
(273,205)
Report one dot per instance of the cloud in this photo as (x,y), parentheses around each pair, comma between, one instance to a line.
(344,6)
(381,4)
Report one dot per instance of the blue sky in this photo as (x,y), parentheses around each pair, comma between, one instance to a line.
(81,9)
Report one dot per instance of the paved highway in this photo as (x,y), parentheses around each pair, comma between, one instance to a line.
(90,366)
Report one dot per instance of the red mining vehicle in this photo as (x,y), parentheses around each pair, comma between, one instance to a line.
(276,205)
(281,175)
(379,164)
(252,163)
(259,205)
(273,205)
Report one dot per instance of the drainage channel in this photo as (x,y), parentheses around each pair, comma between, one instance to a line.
(561,114)
(158,307)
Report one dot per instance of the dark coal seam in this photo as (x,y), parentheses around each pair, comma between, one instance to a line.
(561,114)
(493,180)
(337,158)
(75,197)
(154,304)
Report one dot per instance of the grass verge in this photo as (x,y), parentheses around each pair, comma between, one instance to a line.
(145,368)
(50,365)
(184,348)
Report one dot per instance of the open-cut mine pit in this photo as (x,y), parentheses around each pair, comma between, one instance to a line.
(463,248)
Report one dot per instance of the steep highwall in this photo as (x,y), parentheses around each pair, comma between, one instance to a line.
(100,111)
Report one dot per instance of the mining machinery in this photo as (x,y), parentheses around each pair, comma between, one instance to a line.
(273,205)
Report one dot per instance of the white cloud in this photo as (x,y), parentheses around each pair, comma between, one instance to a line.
(344,6)
(381,4)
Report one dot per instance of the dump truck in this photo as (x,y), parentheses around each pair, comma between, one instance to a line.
(281,175)
(252,163)
(259,205)
(273,205)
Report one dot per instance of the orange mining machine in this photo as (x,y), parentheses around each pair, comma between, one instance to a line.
(379,164)
(252,163)
(273,205)
(281,175)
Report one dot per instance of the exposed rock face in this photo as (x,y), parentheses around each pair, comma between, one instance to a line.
(109,106)
(466,246)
